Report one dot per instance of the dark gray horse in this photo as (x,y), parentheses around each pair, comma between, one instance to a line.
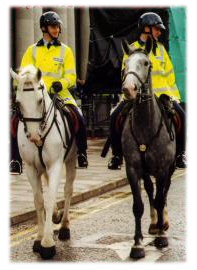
(147,147)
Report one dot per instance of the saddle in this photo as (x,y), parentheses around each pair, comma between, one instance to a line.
(69,110)
(169,112)
(71,114)
(122,116)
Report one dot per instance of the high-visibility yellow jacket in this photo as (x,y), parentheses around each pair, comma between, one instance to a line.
(56,63)
(163,76)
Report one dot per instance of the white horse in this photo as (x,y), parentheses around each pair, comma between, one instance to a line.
(45,145)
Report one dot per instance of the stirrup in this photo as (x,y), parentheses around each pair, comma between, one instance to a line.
(115,163)
(181,161)
(82,161)
(15,167)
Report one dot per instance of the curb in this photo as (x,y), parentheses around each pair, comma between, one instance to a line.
(19,218)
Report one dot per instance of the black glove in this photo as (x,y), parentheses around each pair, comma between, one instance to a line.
(57,87)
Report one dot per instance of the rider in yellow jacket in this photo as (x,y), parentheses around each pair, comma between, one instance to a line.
(163,82)
(163,76)
(57,64)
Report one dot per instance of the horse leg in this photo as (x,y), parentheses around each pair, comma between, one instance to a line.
(36,184)
(149,187)
(64,233)
(160,201)
(47,244)
(167,186)
(137,250)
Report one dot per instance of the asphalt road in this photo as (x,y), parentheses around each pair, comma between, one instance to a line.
(102,230)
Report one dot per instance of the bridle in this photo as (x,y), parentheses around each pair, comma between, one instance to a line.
(45,113)
(145,86)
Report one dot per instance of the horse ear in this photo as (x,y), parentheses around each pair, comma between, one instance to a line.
(38,75)
(14,75)
(149,45)
(126,48)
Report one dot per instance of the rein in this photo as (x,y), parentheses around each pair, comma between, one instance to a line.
(31,119)
(142,95)
(43,122)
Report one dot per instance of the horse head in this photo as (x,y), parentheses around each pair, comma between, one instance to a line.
(30,100)
(137,69)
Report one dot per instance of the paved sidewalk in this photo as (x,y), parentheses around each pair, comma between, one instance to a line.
(90,182)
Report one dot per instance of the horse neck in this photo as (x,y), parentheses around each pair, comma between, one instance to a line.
(146,115)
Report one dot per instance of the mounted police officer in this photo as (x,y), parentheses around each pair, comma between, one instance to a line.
(163,83)
(57,64)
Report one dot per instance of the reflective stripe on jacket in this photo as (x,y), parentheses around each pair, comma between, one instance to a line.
(56,63)
(163,76)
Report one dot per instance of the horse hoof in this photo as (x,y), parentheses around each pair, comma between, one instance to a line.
(153,229)
(161,242)
(47,252)
(56,218)
(64,234)
(137,253)
(37,246)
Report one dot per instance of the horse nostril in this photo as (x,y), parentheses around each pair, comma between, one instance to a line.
(135,88)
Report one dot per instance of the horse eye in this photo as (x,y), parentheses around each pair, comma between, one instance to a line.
(146,63)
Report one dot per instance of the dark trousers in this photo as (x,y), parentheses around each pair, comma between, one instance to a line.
(180,108)
(115,134)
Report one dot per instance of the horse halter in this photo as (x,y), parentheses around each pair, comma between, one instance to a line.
(142,95)
(41,119)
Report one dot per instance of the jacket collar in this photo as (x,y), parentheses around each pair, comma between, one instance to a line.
(56,42)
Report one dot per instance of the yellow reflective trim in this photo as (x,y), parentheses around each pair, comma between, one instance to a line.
(69,81)
(163,89)
(51,74)
(70,71)
(162,73)
(162,52)
(34,52)
(63,50)
(170,72)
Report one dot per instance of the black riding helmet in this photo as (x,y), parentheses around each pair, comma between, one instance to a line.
(150,19)
(49,18)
